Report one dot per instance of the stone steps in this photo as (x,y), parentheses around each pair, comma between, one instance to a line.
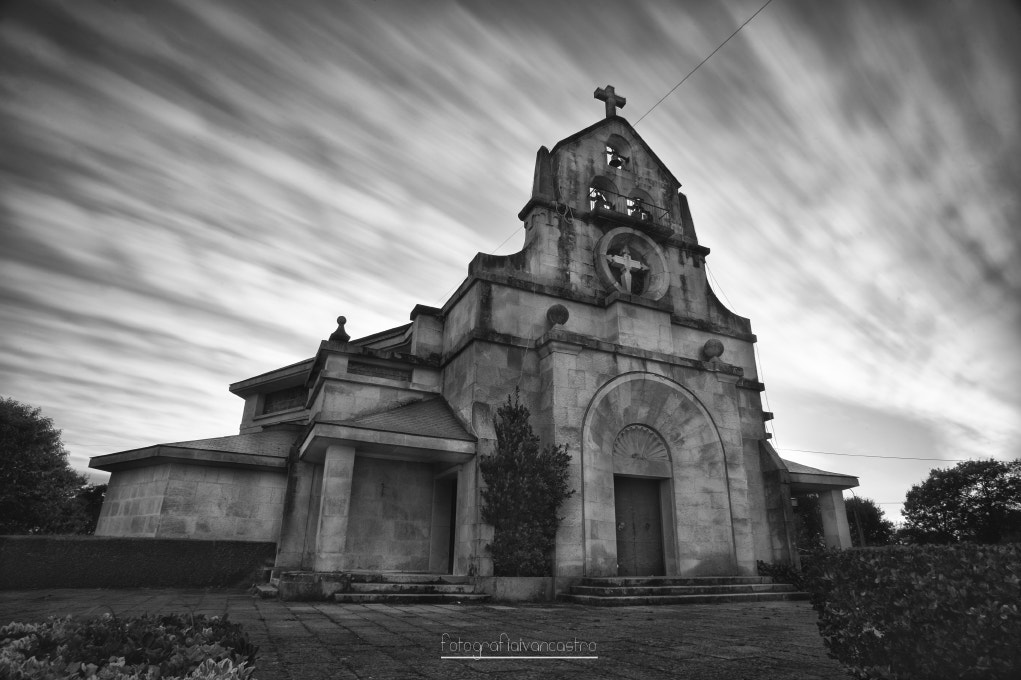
(632,581)
(646,600)
(408,598)
(661,590)
(682,590)
(405,587)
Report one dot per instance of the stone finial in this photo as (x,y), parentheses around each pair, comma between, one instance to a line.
(606,94)
(712,349)
(542,184)
(557,315)
(340,335)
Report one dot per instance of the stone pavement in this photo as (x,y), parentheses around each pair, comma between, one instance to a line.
(320,640)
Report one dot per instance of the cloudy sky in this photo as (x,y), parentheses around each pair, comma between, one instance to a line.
(191,192)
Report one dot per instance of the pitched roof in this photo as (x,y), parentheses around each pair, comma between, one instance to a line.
(810,478)
(267,450)
(429,418)
(266,443)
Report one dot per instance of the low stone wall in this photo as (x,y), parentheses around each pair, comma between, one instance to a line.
(518,588)
(102,562)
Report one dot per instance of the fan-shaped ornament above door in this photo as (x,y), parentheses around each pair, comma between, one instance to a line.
(639,450)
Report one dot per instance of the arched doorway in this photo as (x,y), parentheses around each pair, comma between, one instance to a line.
(651,453)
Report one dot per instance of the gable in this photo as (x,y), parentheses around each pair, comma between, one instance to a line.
(602,128)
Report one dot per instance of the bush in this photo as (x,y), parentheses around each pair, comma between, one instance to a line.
(782,573)
(932,612)
(167,647)
(525,486)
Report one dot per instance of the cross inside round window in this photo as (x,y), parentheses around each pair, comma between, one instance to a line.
(630,262)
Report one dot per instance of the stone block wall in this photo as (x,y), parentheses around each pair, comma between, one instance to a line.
(213,503)
(390,515)
(177,500)
(133,502)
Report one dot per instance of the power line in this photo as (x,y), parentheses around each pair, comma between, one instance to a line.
(755,348)
(703,61)
(516,230)
(865,455)
(443,297)
(720,288)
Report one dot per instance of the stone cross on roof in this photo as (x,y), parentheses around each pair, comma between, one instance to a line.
(612,100)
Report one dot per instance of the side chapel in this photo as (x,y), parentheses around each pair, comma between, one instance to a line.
(364,456)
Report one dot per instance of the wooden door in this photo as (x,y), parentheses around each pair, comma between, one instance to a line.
(639,526)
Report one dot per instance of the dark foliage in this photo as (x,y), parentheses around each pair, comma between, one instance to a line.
(174,644)
(90,499)
(809,529)
(876,528)
(921,612)
(782,573)
(39,492)
(525,486)
(808,522)
(976,500)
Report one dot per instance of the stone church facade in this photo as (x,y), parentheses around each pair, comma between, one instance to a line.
(364,457)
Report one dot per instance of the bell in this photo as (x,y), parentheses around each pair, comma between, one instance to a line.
(616,161)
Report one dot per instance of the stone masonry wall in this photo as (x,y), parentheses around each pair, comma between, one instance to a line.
(133,502)
(390,515)
(213,503)
(176,500)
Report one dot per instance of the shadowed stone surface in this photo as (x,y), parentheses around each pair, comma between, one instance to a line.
(320,640)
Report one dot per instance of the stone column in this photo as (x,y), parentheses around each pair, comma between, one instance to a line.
(296,524)
(834,519)
(334,507)
(563,397)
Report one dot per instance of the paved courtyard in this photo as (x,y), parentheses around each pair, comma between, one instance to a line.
(318,640)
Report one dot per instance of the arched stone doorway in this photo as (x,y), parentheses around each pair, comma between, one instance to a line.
(649,441)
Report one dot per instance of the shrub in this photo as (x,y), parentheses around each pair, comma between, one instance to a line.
(782,573)
(167,647)
(525,487)
(929,612)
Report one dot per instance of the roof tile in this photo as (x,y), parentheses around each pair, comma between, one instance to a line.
(429,418)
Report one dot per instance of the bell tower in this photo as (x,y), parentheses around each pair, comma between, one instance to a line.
(606,325)
(607,218)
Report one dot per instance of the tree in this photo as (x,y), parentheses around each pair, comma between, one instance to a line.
(525,487)
(877,529)
(975,501)
(808,522)
(809,528)
(39,492)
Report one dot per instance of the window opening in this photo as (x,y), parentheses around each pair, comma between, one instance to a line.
(636,208)
(281,400)
(599,198)
(614,158)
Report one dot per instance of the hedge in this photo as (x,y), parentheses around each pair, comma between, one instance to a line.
(932,612)
(30,562)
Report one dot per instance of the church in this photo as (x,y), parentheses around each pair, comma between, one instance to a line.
(364,457)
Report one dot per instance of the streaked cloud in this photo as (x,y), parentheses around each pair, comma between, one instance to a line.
(191,192)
